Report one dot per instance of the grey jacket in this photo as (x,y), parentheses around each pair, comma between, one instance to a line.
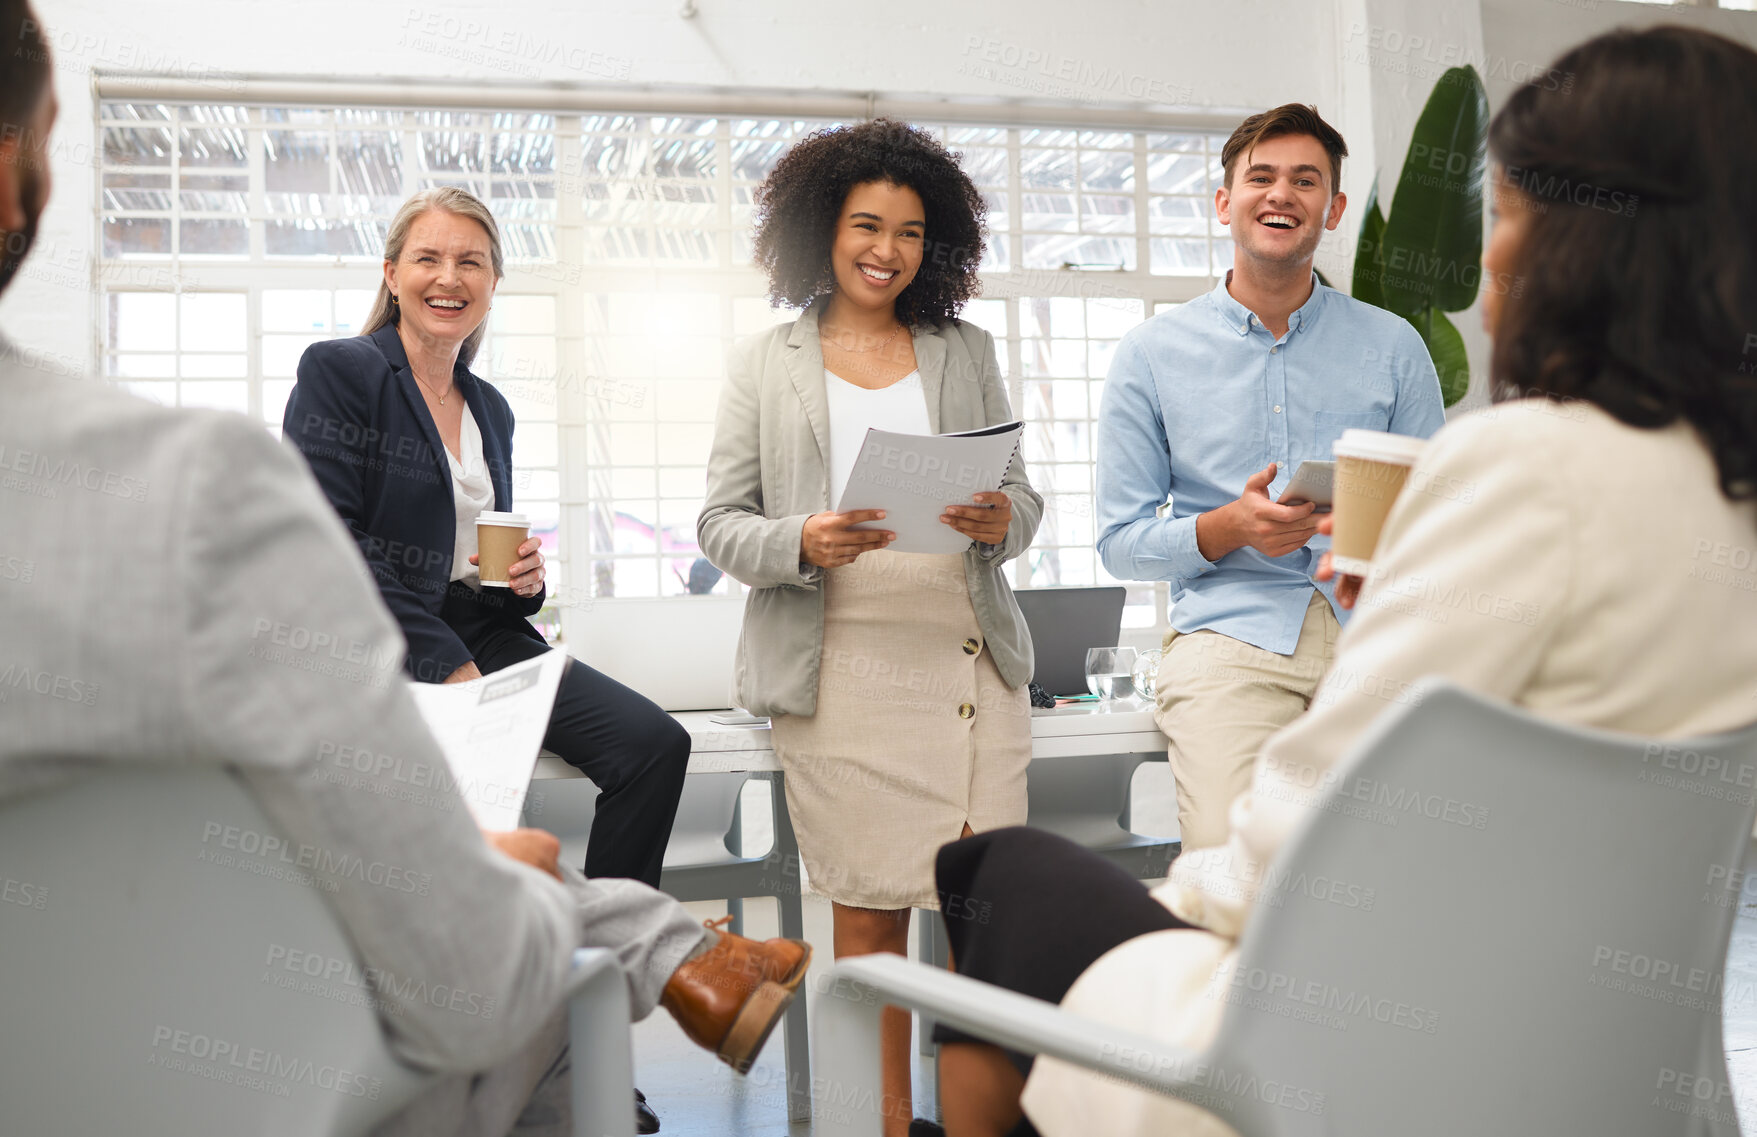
(174,590)
(769,471)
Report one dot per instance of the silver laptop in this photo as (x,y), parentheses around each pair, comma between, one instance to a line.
(1064,622)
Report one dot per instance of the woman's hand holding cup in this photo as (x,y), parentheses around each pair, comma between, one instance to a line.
(1347,586)
(828,541)
(525,575)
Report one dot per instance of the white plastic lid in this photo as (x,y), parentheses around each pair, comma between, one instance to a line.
(489,517)
(1379,446)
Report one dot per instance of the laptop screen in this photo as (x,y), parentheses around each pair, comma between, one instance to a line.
(1064,623)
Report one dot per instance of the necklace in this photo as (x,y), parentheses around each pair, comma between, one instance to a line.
(429,386)
(864,350)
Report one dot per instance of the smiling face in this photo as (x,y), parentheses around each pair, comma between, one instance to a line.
(878,245)
(1279,201)
(444,280)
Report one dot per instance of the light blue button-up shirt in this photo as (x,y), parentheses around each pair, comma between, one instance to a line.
(1200,398)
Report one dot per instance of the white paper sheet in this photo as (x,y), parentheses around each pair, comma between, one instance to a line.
(913,477)
(491,730)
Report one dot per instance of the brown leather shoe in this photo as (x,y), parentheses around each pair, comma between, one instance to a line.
(730,997)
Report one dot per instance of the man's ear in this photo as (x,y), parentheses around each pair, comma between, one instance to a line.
(1223,205)
(1337,204)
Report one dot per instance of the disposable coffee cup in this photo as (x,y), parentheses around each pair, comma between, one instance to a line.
(498,537)
(1371,467)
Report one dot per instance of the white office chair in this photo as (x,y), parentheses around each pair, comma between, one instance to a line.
(1566,953)
(137,994)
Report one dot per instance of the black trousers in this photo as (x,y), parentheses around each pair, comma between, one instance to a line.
(633,751)
(1029,911)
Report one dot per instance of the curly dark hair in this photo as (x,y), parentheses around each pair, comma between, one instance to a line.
(1638,285)
(800,202)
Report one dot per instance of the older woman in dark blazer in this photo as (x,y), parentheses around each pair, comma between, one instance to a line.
(409,447)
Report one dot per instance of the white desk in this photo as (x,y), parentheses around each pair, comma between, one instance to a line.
(1074,731)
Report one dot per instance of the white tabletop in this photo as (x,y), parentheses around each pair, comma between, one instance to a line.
(1072,731)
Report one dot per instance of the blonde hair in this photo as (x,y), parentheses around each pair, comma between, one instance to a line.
(446,199)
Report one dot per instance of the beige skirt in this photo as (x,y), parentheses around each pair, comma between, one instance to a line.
(916,734)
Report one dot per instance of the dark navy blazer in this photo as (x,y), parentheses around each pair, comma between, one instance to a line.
(357,415)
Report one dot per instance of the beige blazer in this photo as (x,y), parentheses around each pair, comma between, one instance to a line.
(769,471)
(1542,553)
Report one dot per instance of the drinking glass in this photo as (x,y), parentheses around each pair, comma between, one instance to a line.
(1109,674)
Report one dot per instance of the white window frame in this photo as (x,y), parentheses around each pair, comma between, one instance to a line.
(574,414)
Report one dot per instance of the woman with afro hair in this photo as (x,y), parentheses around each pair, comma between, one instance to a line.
(895,681)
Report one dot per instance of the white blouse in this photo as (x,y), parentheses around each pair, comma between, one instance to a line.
(471,493)
(901,407)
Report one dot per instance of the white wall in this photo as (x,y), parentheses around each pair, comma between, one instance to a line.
(1543,29)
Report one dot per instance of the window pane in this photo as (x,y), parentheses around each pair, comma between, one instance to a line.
(1047,169)
(214,322)
(213,366)
(1107,171)
(137,236)
(1180,258)
(137,146)
(212,147)
(143,321)
(295,310)
(220,396)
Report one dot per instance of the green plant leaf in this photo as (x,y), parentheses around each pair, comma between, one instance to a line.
(1369,261)
(1446,346)
(1433,236)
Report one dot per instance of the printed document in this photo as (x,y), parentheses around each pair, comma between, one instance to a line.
(913,477)
(491,730)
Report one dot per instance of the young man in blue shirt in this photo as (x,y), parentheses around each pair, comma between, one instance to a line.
(1215,404)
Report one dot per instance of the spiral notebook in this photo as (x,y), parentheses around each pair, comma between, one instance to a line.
(913,477)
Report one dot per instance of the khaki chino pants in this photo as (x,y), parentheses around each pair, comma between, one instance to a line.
(1219,700)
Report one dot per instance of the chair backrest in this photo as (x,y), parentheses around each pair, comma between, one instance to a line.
(1496,924)
(168,967)
(567,807)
